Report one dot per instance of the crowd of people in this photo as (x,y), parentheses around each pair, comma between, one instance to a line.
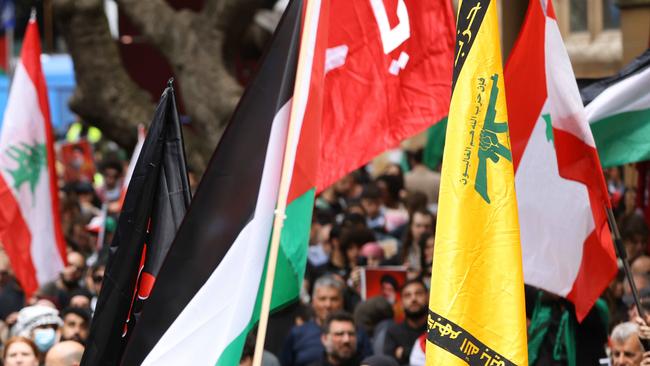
(382,216)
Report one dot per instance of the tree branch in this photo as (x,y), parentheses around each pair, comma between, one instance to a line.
(105,95)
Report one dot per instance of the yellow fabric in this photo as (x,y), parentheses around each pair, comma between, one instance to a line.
(477,280)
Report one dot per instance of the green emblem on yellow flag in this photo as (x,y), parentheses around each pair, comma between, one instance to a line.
(31,159)
(489,146)
(477,311)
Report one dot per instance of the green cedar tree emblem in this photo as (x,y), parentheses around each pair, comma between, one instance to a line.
(489,145)
(549,127)
(31,159)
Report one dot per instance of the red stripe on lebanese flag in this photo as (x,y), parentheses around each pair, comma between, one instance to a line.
(31,59)
(29,209)
(527,61)
(16,239)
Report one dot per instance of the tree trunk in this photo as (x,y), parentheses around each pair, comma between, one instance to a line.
(193,44)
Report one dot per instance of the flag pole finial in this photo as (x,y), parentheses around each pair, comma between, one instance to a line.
(170,82)
(32,15)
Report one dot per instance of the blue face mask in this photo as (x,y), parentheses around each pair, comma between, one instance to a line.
(44,338)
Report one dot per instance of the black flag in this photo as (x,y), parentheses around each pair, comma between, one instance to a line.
(156,200)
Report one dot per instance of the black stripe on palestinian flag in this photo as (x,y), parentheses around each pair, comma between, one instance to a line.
(591,91)
(158,193)
(227,196)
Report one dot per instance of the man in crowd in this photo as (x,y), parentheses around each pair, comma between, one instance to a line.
(75,324)
(401,337)
(67,353)
(303,345)
(626,347)
(60,289)
(339,339)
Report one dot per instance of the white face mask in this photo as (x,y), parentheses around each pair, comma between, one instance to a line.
(44,338)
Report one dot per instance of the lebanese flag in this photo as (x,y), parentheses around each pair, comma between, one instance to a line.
(561,193)
(388,77)
(29,204)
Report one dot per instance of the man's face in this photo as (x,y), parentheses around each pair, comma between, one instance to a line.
(326,300)
(74,328)
(635,246)
(414,300)
(628,353)
(341,341)
(421,224)
(371,206)
(111,177)
(388,292)
(75,268)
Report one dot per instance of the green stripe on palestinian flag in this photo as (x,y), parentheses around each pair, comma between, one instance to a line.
(294,238)
(435,145)
(619,114)
(207,294)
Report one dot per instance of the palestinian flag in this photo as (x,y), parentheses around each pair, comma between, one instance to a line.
(29,201)
(209,289)
(561,194)
(618,110)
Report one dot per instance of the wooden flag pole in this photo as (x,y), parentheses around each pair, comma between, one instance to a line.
(299,98)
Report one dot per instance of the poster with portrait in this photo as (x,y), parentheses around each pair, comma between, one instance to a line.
(386,281)
(78,162)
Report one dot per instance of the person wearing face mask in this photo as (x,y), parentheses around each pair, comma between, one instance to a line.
(38,323)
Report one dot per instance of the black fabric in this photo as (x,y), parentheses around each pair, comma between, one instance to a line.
(590,92)
(226,197)
(402,335)
(157,198)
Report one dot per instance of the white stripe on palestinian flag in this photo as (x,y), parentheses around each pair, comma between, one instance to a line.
(222,308)
(620,120)
(24,169)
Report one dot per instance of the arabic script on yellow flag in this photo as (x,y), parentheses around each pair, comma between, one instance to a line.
(476,308)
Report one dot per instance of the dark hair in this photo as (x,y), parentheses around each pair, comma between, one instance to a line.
(339,316)
(356,236)
(249,344)
(422,244)
(634,225)
(408,237)
(390,280)
(416,156)
(414,281)
(80,312)
(371,192)
(394,185)
(111,164)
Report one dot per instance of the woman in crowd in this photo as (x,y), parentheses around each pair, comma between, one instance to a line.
(20,351)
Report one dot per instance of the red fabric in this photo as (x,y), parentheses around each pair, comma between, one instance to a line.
(16,240)
(31,59)
(306,166)
(526,96)
(579,162)
(368,110)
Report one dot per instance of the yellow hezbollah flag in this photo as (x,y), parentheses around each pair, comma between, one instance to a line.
(476,308)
